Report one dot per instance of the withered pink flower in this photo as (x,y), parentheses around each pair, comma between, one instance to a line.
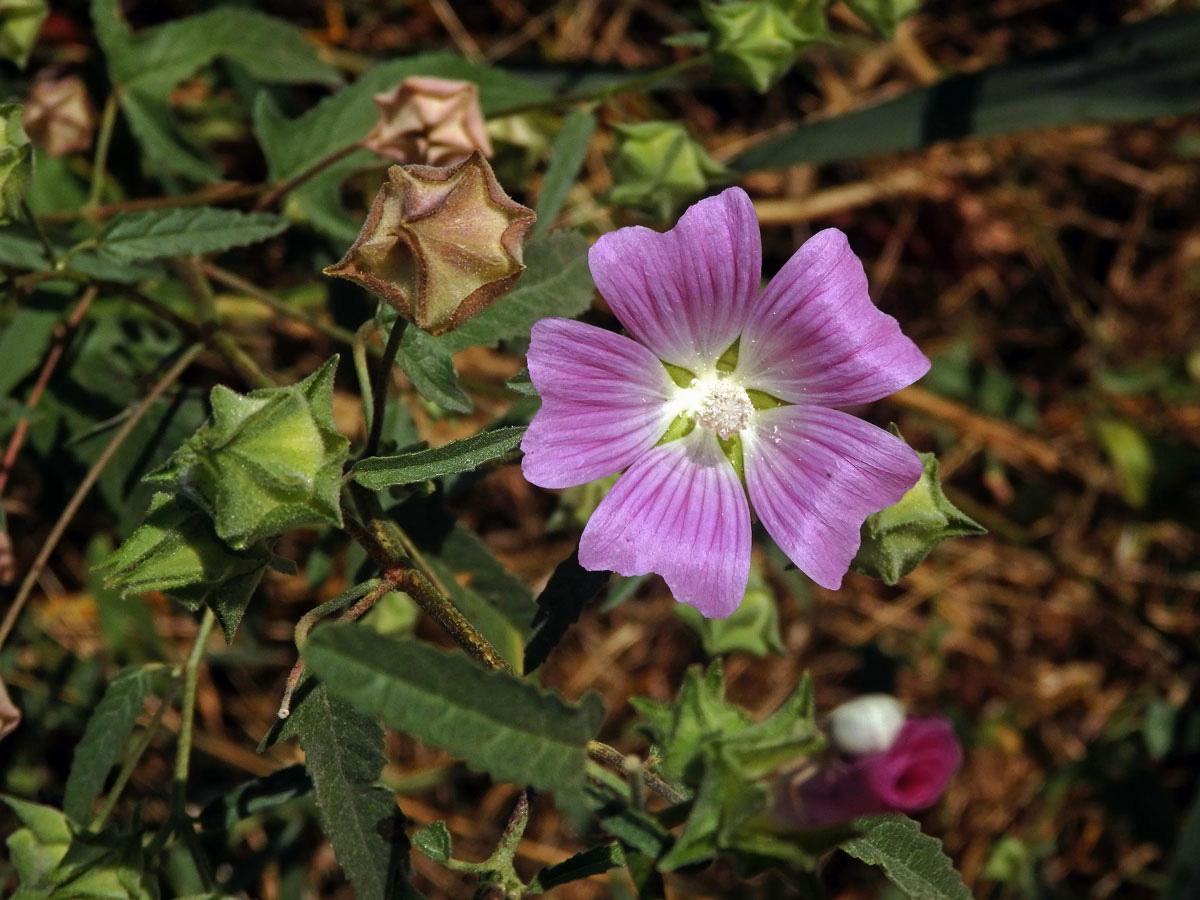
(907,775)
(59,116)
(723,399)
(439,244)
(429,120)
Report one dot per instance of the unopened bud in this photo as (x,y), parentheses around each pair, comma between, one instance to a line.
(866,724)
(59,116)
(436,121)
(657,166)
(757,41)
(439,244)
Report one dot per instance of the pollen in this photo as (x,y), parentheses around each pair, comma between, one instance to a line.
(723,408)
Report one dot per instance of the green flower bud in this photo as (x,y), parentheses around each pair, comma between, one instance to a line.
(176,551)
(895,539)
(439,245)
(16,162)
(265,462)
(20,22)
(657,166)
(757,41)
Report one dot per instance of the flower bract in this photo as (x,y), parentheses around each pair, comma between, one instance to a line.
(722,400)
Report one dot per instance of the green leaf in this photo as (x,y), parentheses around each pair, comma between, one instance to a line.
(1139,71)
(148,65)
(1130,453)
(912,861)
(20,248)
(434,841)
(430,367)
(633,828)
(16,161)
(560,604)
(593,861)
(521,384)
(507,727)
(41,841)
(24,342)
(343,754)
(107,730)
(20,22)
(465,455)
(566,156)
(556,282)
(883,15)
(185,232)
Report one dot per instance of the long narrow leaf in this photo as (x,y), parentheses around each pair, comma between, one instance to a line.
(378,472)
(1140,71)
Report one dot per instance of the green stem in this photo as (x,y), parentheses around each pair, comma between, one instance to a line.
(132,759)
(603,95)
(187,712)
(47,247)
(382,381)
(189,269)
(362,369)
(250,289)
(269,199)
(108,120)
(384,542)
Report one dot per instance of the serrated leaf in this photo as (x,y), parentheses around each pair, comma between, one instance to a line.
(430,367)
(434,841)
(379,472)
(570,588)
(1134,72)
(107,730)
(20,248)
(593,861)
(157,233)
(912,861)
(343,752)
(566,156)
(509,728)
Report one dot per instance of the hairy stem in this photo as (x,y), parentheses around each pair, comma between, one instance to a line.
(611,756)
(271,197)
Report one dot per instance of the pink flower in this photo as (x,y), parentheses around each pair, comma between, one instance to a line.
(908,776)
(669,406)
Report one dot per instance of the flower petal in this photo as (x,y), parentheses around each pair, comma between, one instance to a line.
(684,294)
(915,771)
(680,511)
(814,336)
(814,475)
(604,403)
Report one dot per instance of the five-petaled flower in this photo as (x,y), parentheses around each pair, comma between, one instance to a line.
(722,400)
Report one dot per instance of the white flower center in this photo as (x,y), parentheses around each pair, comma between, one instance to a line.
(721,407)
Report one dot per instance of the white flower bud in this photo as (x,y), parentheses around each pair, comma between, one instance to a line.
(866,724)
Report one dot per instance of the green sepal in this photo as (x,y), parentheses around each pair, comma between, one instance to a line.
(883,15)
(657,165)
(176,551)
(757,41)
(265,462)
(20,23)
(896,539)
(16,161)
